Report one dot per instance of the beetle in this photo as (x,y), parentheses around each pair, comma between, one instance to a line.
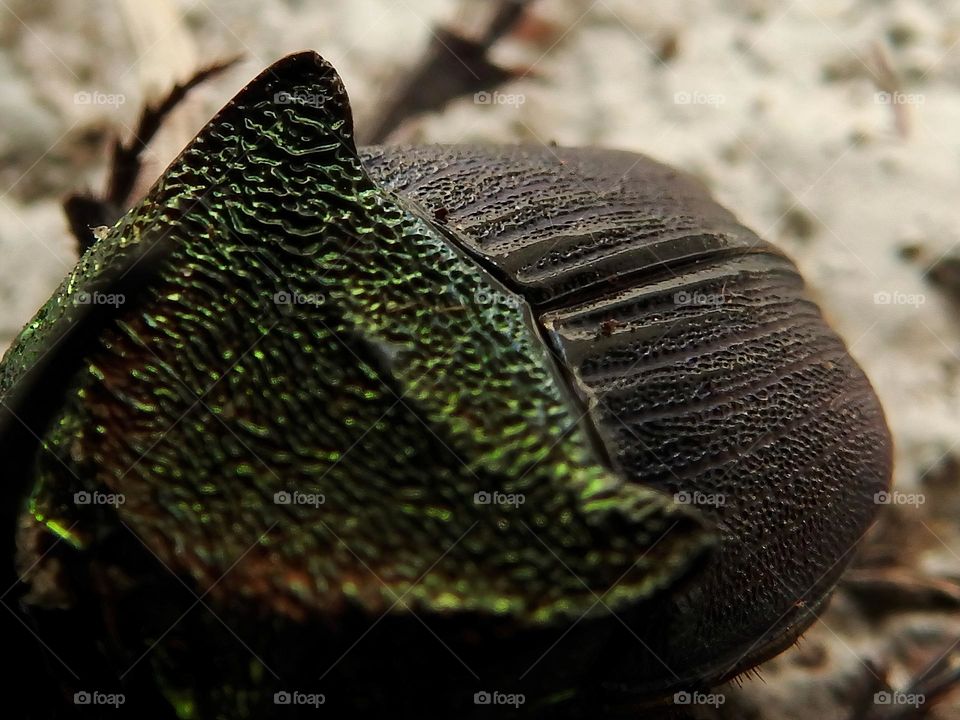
(425,428)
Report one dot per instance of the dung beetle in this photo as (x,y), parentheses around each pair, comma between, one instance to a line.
(419,430)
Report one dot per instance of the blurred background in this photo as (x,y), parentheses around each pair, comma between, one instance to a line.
(831,127)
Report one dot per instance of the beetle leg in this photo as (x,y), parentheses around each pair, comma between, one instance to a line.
(85,211)
(454,64)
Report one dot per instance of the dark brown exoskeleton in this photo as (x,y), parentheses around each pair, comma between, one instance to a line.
(707,372)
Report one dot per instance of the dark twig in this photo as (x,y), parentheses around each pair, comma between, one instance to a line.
(927,689)
(453,65)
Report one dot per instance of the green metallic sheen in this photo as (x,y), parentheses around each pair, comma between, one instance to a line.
(383,386)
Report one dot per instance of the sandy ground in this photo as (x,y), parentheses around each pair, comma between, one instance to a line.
(829,126)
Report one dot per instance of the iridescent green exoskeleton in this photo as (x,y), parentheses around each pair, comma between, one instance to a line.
(318,422)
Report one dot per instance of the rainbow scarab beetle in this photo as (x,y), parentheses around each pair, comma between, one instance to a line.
(411,429)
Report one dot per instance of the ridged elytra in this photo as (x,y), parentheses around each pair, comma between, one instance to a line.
(399,425)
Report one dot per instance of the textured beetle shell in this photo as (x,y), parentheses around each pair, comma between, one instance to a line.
(635,342)
(704,364)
